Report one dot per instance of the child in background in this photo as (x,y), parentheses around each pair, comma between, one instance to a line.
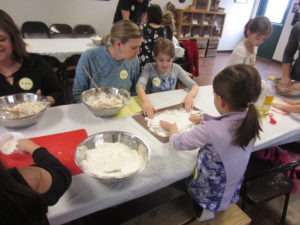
(162,76)
(225,141)
(292,106)
(256,31)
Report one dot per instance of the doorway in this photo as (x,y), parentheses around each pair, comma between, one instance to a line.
(277,12)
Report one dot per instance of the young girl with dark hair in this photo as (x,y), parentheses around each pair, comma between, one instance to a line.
(26,192)
(225,141)
(255,32)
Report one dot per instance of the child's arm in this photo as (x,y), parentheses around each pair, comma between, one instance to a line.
(291,102)
(188,100)
(169,127)
(147,106)
(287,108)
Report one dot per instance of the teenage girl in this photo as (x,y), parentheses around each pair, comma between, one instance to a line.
(162,76)
(256,31)
(225,142)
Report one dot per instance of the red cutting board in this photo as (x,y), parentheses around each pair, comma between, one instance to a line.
(61,145)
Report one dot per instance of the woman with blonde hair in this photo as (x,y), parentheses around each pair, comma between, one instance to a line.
(114,64)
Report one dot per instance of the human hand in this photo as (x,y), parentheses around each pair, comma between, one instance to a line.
(148,109)
(169,127)
(188,102)
(195,118)
(285,82)
(295,87)
(27,145)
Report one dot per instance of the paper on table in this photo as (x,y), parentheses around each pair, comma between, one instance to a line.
(133,107)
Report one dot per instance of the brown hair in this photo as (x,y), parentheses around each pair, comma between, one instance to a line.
(123,30)
(165,46)
(240,86)
(8,25)
(260,24)
(168,20)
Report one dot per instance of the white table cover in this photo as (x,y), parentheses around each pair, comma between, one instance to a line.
(87,195)
(61,48)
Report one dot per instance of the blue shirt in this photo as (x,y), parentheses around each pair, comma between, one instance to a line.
(105,70)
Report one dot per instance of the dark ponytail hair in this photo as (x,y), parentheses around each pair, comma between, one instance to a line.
(260,24)
(240,86)
(19,204)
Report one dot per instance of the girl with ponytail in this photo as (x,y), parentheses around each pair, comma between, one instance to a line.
(224,142)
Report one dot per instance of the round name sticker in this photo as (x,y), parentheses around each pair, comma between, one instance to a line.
(26,83)
(132,7)
(156,82)
(123,74)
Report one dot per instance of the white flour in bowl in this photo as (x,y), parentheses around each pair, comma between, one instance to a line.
(102,100)
(112,160)
(178,116)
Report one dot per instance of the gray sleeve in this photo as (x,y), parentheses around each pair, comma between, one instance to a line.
(292,45)
(183,77)
(144,78)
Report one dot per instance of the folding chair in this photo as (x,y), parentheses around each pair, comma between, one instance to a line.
(83,30)
(269,184)
(59,30)
(35,29)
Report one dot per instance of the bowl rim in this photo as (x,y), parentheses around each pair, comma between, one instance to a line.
(44,99)
(127,100)
(77,161)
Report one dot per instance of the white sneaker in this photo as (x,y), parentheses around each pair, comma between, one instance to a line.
(206,215)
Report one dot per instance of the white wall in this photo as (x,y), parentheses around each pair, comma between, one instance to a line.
(97,13)
(237,15)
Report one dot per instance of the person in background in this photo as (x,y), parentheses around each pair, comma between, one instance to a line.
(291,70)
(26,192)
(163,76)
(112,65)
(255,32)
(292,106)
(134,10)
(225,141)
(168,22)
(151,31)
(23,72)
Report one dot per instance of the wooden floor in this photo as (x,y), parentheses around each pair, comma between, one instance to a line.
(266,214)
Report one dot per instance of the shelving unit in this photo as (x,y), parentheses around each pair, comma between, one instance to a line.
(200,22)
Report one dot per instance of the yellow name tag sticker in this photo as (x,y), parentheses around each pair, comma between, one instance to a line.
(132,7)
(156,82)
(26,83)
(123,74)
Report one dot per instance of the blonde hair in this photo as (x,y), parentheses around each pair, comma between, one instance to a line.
(168,20)
(123,30)
(165,46)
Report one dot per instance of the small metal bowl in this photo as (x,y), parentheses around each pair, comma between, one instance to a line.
(121,94)
(10,101)
(98,139)
(286,92)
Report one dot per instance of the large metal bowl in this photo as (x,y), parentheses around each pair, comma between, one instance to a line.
(286,92)
(122,94)
(98,139)
(10,101)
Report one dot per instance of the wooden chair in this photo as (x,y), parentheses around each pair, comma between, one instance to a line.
(83,30)
(179,211)
(269,184)
(60,30)
(35,29)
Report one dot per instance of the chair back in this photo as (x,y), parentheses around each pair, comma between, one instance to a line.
(55,65)
(35,29)
(83,30)
(68,74)
(59,30)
